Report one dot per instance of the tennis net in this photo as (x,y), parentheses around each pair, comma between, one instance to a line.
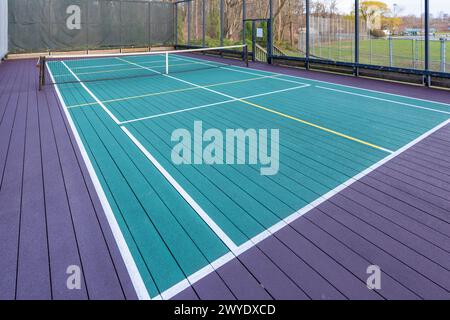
(100,67)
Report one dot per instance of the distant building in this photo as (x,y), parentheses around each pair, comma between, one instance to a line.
(413,31)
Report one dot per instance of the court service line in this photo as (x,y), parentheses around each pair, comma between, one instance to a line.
(381,99)
(242,69)
(201,274)
(226,67)
(92,95)
(125,69)
(171,91)
(213,104)
(130,264)
(113,65)
(342,135)
(205,217)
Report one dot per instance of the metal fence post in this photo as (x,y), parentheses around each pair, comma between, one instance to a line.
(391,52)
(339,39)
(244,17)
(270,33)
(189,22)
(121,26)
(176,23)
(222,18)
(443,54)
(204,23)
(414,53)
(427,43)
(308,29)
(356,37)
(149,17)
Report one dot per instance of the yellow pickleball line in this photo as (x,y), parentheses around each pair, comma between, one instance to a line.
(342,135)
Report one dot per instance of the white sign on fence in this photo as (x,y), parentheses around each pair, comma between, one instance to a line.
(260,33)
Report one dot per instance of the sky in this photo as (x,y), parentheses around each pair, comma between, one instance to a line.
(408,6)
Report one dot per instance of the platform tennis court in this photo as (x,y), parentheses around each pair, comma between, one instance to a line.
(176,224)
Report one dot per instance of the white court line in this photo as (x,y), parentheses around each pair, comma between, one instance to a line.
(130,264)
(110,65)
(178,288)
(205,217)
(227,66)
(125,69)
(172,91)
(381,99)
(213,104)
(92,95)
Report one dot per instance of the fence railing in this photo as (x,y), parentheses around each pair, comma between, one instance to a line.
(277,51)
(260,53)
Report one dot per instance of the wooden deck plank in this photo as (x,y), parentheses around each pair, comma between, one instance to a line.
(63,248)
(414,186)
(296,266)
(440,214)
(122,272)
(435,161)
(425,165)
(10,197)
(213,287)
(428,269)
(418,172)
(274,280)
(242,283)
(6,127)
(99,270)
(33,274)
(399,218)
(186,295)
(344,284)
(390,230)
(404,207)
(349,258)
(377,256)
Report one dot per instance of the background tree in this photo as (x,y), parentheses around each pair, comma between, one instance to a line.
(372,10)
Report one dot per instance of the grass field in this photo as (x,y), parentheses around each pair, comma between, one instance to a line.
(406,54)
(376,52)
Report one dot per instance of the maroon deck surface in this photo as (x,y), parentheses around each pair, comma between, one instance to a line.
(50,216)
(397,217)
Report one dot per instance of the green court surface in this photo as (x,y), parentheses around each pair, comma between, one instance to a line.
(178,220)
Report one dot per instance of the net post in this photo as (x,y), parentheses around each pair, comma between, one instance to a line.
(42,62)
(167,63)
(246,56)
